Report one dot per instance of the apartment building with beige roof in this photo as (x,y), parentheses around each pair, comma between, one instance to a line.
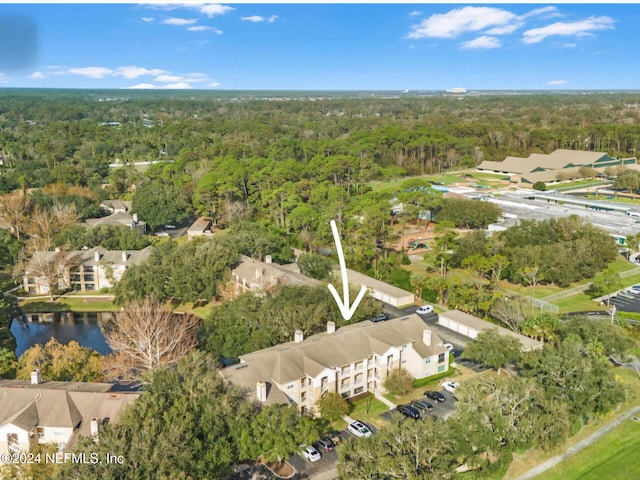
(351,360)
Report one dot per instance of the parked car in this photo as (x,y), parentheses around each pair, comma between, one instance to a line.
(359,429)
(380,318)
(448,346)
(310,453)
(409,411)
(435,396)
(635,289)
(455,352)
(423,310)
(450,386)
(335,437)
(325,444)
(422,405)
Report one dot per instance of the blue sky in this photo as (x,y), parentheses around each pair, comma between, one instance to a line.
(320,47)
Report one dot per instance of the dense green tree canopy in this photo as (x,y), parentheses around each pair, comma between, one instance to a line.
(158,204)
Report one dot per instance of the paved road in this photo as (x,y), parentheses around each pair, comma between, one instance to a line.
(571,451)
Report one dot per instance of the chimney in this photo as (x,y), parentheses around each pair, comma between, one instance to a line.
(426,337)
(268,259)
(331,327)
(298,336)
(124,256)
(94,429)
(35,377)
(96,256)
(135,218)
(261,390)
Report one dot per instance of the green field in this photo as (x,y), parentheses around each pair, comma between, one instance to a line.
(614,456)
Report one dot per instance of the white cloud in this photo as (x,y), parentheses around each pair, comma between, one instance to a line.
(168,78)
(214,9)
(199,28)
(569,45)
(37,75)
(214,85)
(147,19)
(217,31)
(460,20)
(253,18)
(177,86)
(547,12)
(272,18)
(484,42)
(92,72)
(557,82)
(415,13)
(180,21)
(142,85)
(579,28)
(134,72)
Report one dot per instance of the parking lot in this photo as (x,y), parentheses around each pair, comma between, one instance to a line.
(440,410)
(626,302)
(307,469)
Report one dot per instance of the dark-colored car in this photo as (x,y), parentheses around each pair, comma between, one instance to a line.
(435,396)
(380,318)
(409,411)
(325,444)
(422,405)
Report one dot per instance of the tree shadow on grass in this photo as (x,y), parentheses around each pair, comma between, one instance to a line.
(45,307)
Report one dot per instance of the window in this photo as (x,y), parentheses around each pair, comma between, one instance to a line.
(303,382)
(403,361)
(12,443)
(89,286)
(290,386)
(358,390)
(58,432)
(403,347)
(441,358)
(303,396)
(40,432)
(440,368)
(324,384)
(427,360)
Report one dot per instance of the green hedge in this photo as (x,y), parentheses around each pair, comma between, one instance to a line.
(421,382)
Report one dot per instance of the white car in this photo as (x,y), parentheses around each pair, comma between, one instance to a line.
(311,454)
(634,289)
(450,386)
(448,346)
(425,309)
(359,429)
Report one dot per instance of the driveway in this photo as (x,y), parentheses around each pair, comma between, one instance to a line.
(306,469)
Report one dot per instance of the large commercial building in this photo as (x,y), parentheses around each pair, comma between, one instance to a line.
(560,165)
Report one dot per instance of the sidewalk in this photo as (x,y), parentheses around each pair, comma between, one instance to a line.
(388,403)
(571,451)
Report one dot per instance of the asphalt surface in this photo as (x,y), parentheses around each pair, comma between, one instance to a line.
(626,302)
(440,410)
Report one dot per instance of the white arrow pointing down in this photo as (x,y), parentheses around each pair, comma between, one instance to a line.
(345,310)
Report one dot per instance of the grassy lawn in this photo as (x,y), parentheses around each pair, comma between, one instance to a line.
(613,456)
(578,184)
(617,198)
(69,303)
(577,303)
(525,462)
(368,409)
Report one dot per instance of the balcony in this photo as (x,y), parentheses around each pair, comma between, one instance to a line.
(345,385)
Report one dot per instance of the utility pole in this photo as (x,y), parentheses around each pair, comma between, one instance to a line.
(613,314)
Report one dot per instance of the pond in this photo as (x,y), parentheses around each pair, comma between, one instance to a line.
(86,328)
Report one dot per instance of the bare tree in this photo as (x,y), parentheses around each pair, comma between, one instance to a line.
(51,269)
(14,210)
(146,334)
(46,223)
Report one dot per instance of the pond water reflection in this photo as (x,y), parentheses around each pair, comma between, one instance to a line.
(86,328)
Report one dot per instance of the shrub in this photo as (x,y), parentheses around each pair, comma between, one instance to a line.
(399,382)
